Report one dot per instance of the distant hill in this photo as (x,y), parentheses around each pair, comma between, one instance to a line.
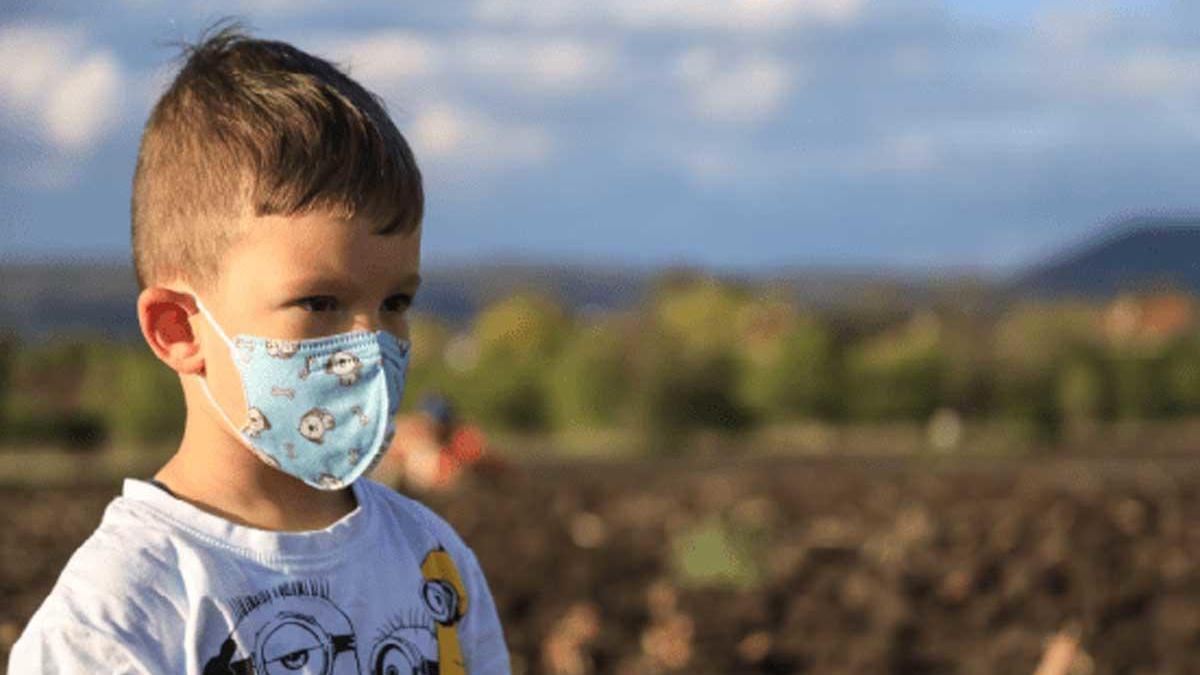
(47,298)
(42,298)
(1135,255)
(51,298)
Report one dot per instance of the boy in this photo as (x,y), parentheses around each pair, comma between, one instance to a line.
(276,236)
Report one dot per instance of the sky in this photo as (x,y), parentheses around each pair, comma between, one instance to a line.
(734,135)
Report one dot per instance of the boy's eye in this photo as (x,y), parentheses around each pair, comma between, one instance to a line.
(318,303)
(398,302)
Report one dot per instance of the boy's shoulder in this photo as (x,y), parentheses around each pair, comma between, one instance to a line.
(127,563)
(404,507)
(108,596)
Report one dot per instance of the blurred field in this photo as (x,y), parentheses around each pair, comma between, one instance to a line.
(778,565)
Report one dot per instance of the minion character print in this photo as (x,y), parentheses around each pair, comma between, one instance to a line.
(297,627)
(293,627)
(445,597)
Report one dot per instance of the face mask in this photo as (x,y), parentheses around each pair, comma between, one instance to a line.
(322,409)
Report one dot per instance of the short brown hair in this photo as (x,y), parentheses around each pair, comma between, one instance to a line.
(260,127)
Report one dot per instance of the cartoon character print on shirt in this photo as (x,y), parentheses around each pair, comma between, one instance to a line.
(407,644)
(291,628)
(296,628)
(445,597)
(411,645)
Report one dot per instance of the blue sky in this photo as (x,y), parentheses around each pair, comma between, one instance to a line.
(903,133)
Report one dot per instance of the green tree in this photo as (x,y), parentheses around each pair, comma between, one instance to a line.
(897,375)
(1083,394)
(513,340)
(677,391)
(790,374)
(139,398)
(587,384)
(1137,377)
(427,367)
(1181,376)
(1031,341)
(8,354)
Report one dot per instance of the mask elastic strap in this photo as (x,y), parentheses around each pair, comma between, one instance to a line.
(204,379)
(213,400)
(208,315)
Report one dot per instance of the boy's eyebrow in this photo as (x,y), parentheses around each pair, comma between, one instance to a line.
(306,284)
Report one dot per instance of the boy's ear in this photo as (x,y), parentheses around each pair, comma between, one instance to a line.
(164,316)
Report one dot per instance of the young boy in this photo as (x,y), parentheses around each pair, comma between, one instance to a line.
(276,237)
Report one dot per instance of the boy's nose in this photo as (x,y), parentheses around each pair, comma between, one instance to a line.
(366,322)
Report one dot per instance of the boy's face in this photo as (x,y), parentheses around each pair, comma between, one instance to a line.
(297,277)
(307,276)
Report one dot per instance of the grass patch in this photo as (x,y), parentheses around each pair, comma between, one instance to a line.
(715,552)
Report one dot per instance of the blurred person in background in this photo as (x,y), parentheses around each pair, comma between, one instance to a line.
(434,447)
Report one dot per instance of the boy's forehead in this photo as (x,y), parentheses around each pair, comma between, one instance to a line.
(279,251)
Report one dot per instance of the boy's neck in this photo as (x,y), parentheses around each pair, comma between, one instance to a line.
(214,472)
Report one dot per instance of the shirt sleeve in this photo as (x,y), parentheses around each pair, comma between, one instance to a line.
(487,652)
(58,647)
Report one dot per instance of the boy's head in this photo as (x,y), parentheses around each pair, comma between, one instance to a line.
(253,128)
(278,190)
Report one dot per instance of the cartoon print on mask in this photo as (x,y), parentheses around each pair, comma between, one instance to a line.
(314,424)
(363,418)
(328,478)
(290,448)
(256,422)
(345,365)
(293,627)
(329,481)
(282,349)
(288,392)
(245,349)
(308,366)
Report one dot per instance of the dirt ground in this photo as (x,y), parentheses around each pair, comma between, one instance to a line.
(863,565)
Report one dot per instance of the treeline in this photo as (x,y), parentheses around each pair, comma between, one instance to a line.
(697,353)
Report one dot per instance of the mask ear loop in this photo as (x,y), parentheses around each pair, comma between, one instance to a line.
(211,320)
(204,379)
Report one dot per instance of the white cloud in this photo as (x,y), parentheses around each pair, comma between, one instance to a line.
(901,153)
(402,61)
(742,90)
(711,166)
(550,65)
(84,106)
(55,91)
(454,135)
(727,15)
(389,57)
(1074,28)
(1156,71)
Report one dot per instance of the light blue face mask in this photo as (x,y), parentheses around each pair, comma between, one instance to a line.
(322,409)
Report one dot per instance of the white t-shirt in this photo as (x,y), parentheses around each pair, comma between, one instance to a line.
(162,586)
